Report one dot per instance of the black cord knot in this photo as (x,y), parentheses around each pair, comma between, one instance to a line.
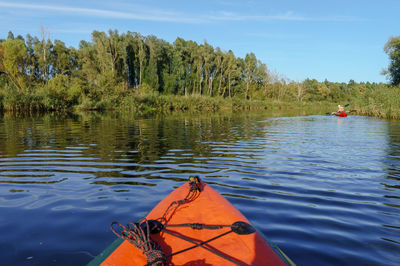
(197,226)
(156,257)
(242,228)
(153,226)
(138,234)
(194,182)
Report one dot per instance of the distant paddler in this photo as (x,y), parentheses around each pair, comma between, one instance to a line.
(340,112)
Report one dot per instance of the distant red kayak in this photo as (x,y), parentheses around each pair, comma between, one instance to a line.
(342,114)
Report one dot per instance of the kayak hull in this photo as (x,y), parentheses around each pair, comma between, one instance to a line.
(209,207)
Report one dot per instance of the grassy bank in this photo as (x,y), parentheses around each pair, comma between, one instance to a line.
(154,103)
(378,103)
(62,94)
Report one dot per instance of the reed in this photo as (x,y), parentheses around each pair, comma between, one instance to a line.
(62,94)
(379,102)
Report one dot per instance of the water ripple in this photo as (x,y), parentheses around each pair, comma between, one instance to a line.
(326,190)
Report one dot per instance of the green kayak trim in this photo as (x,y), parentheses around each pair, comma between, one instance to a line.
(105,253)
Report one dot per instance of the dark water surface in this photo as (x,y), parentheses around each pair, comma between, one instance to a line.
(325,190)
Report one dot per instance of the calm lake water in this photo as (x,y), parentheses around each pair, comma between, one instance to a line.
(326,190)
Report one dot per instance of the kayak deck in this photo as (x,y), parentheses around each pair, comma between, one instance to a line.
(207,207)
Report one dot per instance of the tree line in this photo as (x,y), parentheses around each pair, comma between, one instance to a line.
(37,73)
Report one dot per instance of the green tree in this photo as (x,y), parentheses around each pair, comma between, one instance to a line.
(10,36)
(103,62)
(105,51)
(61,59)
(323,91)
(89,69)
(220,68)
(130,60)
(14,52)
(231,71)
(392,48)
(42,50)
(32,64)
(151,74)
(137,58)
(141,55)
(2,69)
(199,67)
(209,65)
(181,65)
(250,62)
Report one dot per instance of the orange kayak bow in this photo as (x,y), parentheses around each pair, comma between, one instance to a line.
(193,225)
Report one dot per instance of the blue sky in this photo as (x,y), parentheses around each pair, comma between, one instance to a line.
(335,40)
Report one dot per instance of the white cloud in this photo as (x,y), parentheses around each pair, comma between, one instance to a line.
(288,16)
(149,14)
(141,15)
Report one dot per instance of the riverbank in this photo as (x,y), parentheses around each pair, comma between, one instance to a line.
(149,102)
(377,104)
(161,103)
(382,103)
